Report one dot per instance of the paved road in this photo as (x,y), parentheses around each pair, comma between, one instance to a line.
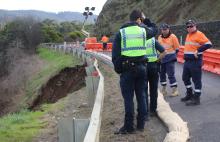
(203,120)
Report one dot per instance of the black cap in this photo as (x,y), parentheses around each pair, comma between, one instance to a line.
(191,22)
(164,26)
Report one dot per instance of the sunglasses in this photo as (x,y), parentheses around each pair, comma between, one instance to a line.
(191,26)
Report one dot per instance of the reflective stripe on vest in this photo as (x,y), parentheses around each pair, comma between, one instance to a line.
(192,43)
(167,46)
(191,47)
(151,50)
(170,52)
(133,41)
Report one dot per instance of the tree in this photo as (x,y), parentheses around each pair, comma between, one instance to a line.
(24,30)
(51,35)
(23,33)
(76,35)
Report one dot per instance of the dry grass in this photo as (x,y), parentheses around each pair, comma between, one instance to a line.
(21,68)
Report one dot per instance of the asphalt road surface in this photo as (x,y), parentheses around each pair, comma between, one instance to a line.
(203,120)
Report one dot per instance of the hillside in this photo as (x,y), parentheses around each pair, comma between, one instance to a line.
(9,15)
(116,12)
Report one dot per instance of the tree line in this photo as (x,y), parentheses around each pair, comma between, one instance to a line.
(27,33)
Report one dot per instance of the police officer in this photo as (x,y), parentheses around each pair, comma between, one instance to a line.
(171,44)
(195,44)
(129,59)
(153,72)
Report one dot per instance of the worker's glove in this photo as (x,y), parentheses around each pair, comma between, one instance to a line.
(147,22)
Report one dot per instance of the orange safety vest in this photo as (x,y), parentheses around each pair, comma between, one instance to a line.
(104,39)
(194,41)
(170,43)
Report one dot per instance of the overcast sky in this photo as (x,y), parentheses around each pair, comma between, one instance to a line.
(52,5)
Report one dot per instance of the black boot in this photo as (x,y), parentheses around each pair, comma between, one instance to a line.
(141,122)
(140,126)
(128,127)
(124,130)
(194,101)
(146,118)
(153,114)
(189,95)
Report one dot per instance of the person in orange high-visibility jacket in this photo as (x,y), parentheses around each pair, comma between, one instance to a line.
(171,44)
(195,44)
(105,40)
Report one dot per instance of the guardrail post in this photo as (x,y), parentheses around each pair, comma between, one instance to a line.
(79,54)
(55,47)
(64,47)
(74,52)
(91,87)
(65,130)
(80,129)
(60,48)
(72,130)
(83,58)
(91,84)
(89,70)
(89,61)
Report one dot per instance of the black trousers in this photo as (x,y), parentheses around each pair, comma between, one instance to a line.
(152,79)
(104,45)
(133,82)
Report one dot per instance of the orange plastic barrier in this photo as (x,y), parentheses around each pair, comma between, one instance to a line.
(91,40)
(92,44)
(109,47)
(211,60)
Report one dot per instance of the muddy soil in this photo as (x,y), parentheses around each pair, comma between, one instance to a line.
(75,105)
(68,80)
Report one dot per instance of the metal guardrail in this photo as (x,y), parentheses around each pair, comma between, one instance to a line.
(86,130)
